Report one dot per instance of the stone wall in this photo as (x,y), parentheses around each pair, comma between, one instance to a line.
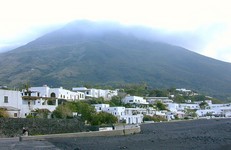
(12,127)
(121,132)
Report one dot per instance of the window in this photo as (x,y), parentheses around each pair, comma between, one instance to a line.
(53,95)
(15,115)
(5,99)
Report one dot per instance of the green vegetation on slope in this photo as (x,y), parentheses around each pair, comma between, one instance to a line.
(73,55)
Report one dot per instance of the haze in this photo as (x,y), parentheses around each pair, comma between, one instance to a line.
(200,26)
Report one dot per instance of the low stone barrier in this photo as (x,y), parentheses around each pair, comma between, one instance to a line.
(126,131)
(13,127)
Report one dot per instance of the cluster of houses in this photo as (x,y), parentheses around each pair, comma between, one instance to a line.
(20,104)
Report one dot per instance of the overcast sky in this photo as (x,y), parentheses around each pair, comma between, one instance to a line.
(203,26)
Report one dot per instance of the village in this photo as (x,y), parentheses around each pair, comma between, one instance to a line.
(21,104)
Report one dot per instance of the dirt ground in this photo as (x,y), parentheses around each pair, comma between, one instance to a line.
(209,134)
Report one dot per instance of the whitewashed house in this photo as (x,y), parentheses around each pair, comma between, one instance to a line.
(17,107)
(206,112)
(220,109)
(96,93)
(215,106)
(59,93)
(133,119)
(183,90)
(46,98)
(173,107)
(122,113)
(134,115)
(134,100)
(184,106)
(100,107)
(11,101)
(116,111)
(29,106)
(154,100)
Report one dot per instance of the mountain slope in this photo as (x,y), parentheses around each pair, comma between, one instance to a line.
(97,53)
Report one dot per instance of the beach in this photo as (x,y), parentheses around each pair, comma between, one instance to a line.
(206,134)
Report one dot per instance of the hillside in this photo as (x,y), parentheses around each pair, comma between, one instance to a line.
(86,52)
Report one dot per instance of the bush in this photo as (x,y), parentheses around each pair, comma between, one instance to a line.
(154,118)
(63,112)
(3,113)
(84,110)
(103,118)
(42,113)
(160,106)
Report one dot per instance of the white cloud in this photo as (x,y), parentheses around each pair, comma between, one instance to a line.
(203,20)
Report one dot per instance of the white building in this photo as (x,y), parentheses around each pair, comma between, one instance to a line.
(100,107)
(46,98)
(17,107)
(184,106)
(154,100)
(133,119)
(173,107)
(215,106)
(183,90)
(59,93)
(122,113)
(96,93)
(134,100)
(11,101)
(206,112)
(116,111)
(30,105)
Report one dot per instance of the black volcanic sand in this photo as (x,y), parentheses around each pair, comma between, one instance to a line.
(196,134)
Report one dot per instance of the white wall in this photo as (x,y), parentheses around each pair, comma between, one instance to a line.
(12,102)
(173,107)
(134,100)
(100,107)
(96,93)
(133,119)
(43,91)
(189,106)
(46,91)
(116,111)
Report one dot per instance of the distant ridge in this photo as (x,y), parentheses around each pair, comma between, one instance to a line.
(98,53)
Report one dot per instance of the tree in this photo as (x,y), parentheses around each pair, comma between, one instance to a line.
(160,106)
(84,109)
(116,101)
(154,118)
(66,110)
(136,89)
(42,113)
(3,113)
(99,100)
(63,111)
(158,93)
(103,118)
(199,98)
(179,99)
(203,105)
